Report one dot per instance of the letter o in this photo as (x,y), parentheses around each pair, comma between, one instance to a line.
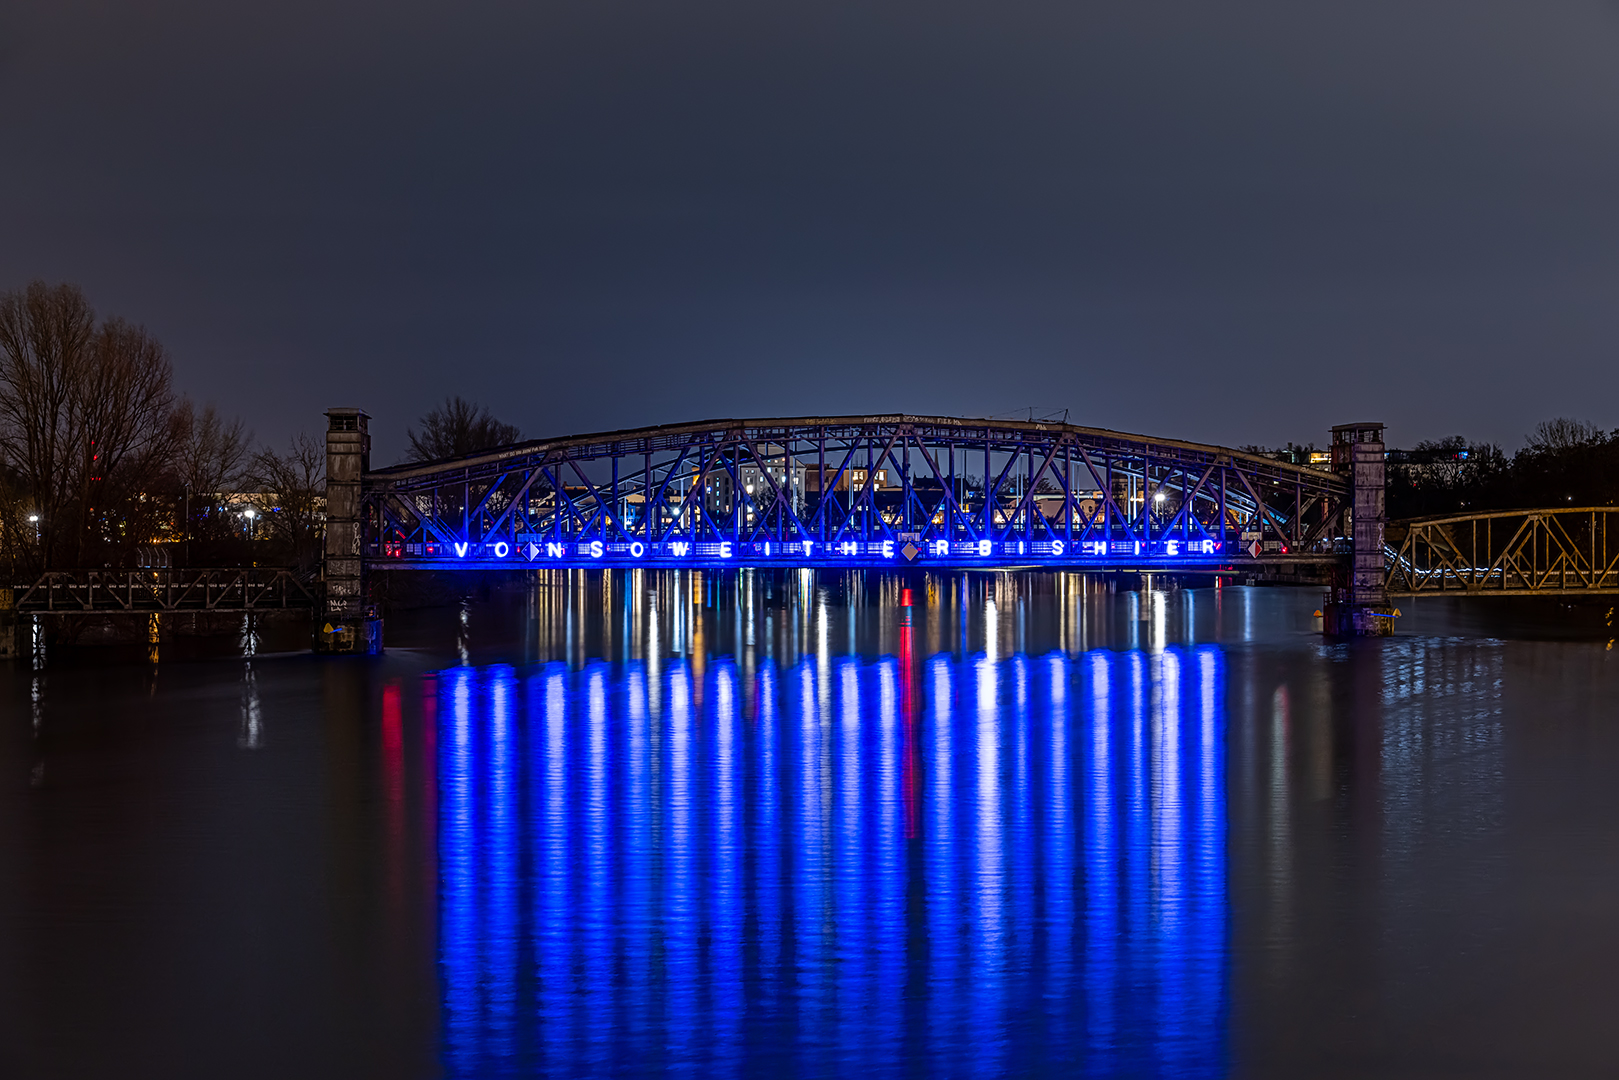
(637,549)
(501,549)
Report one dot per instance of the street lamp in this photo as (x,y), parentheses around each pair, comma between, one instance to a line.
(33,519)
(249,515)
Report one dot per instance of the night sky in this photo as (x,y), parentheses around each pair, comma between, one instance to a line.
(1231,223)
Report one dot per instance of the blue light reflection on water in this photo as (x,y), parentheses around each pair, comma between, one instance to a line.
(672,866)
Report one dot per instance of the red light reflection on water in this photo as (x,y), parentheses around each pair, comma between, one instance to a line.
(393,790)
(912,774)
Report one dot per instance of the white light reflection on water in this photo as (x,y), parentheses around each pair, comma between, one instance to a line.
(719,889)
(251,736)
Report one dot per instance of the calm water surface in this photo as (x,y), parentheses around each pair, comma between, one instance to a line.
(750,824)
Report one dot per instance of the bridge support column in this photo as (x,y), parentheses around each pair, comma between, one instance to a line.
(1359,604)
(346,622)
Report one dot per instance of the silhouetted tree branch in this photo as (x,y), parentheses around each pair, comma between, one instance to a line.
(296,482)
(457,428)
(211,456)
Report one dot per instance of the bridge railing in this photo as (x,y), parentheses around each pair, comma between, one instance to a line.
(1506,552)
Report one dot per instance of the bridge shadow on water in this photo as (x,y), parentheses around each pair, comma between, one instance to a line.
(779,826)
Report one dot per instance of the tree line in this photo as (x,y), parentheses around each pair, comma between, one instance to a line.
(1563,462)
(100,456)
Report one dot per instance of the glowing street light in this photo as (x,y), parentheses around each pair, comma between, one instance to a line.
(249,514)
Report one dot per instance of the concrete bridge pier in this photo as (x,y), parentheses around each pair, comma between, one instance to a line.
(1358,605)
(346,623)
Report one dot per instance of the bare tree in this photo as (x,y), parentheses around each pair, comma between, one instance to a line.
(1563,433)
(456,428)
(46,337)
(295,484)
(84,419)
(124,416)
(211,455)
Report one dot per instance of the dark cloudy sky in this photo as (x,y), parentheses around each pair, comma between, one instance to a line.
(1225,222)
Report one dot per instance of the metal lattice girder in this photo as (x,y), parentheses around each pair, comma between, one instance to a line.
(872,490)
(110,592)
(1506,552)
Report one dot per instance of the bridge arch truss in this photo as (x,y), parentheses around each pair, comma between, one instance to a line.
(852,491)
(1506,553)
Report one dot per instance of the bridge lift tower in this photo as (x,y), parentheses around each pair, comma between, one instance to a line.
(1359,603)
(346,622)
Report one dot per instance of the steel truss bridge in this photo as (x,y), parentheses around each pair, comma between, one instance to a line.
(1506,553)
(131,592)
(869,491)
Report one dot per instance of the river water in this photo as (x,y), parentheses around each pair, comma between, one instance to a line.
(783,825)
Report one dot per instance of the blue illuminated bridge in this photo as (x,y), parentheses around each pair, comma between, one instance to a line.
(848,491)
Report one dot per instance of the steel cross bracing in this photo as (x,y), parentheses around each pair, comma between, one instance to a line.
(861,490)
(1506,553)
